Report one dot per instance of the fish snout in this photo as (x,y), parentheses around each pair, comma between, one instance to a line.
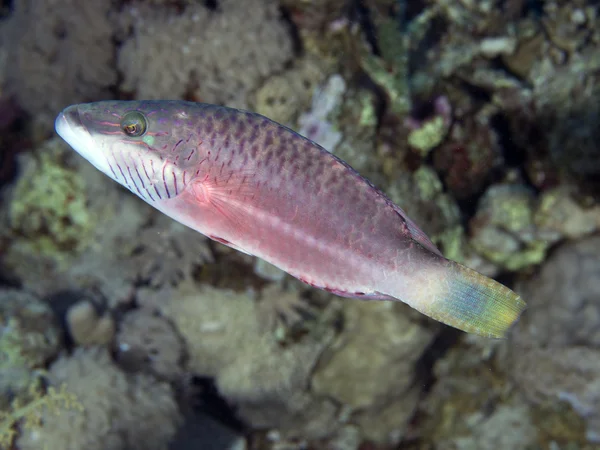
(70,126)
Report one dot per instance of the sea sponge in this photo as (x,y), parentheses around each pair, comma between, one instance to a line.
(214,56)
(119,411)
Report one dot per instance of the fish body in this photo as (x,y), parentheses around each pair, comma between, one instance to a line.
(259,187)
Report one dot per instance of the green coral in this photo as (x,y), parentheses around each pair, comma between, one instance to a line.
(429,136)
(391,70)
(28,414)
(48,207)
(395,37)
(504,229)
(282,97)
(29,337)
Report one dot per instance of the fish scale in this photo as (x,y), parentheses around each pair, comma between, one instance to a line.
(259,187)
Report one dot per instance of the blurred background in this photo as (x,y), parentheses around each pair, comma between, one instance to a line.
(120,329)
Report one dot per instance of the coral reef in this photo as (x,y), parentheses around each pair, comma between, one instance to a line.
(282,97)
(49,211)
(119,411)
(300,388)
(559,339)
(199,53)
(225,340)
(148,343)
(167,252)
(479,118)
(381,345)
(29,338)
(87,327)
(58,43)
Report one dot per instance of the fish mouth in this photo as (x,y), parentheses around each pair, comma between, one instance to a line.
(69,117)
(70,127)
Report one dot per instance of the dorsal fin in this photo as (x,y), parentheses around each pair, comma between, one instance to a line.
(415,232)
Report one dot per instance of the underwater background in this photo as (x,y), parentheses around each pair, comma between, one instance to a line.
(121,329)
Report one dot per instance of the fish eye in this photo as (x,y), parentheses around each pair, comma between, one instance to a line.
(134,124)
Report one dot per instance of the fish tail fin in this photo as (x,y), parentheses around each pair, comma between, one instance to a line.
(463,298)
(475,303)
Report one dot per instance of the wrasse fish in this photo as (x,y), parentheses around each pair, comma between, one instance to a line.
(254,185)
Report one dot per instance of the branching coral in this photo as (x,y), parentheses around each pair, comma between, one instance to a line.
(61,52)
(201,52)
(266,381)
(49,205)
(119,411)
(167,252)
(300,387)
(29,338)
(27,415)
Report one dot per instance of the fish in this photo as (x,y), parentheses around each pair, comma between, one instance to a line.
(259,187)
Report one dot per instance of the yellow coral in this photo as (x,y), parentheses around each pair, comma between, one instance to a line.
(48,206)
(28,414)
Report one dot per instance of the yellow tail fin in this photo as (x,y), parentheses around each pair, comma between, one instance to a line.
(474,303)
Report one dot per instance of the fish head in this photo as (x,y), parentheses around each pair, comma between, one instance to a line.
(150,147)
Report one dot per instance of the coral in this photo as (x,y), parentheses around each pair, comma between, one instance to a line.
(29,337)
(199,51)
(569,374)
(282,97)
(509,427)
(264,380)
(27,414)
(554,119)
(390,71)
(49,210)
(428,133)
(314,124)
(166,252)
(559,338)
(472,405)
(503,230)
(322,27)
(61,52)
(278,307)
(560,215)
(119,411)
(514,229)
(573,138)
(562,298)
(86,327)
(469,155)
(356,120)
(83,230)
(148,343)
(315,14)
(370,366)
